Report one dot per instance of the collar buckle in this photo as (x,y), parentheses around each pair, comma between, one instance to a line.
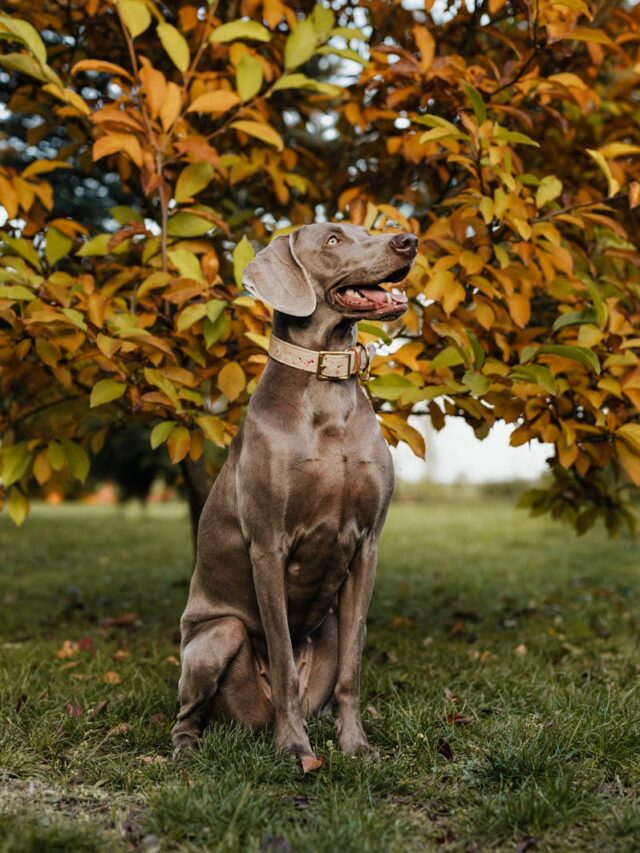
(322,357)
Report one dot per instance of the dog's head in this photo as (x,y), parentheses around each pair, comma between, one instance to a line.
(340,265)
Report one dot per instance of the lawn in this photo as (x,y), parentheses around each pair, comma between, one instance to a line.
(500,695)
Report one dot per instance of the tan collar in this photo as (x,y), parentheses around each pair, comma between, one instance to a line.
(327,364)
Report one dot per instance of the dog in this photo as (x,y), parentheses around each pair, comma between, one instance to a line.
(274,626)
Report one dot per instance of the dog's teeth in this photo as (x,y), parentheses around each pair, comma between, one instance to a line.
(396,291)
(350,292)
(389,299)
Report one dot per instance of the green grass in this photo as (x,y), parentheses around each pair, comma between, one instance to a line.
(500,695)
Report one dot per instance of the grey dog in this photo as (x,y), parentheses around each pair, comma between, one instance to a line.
(274,626)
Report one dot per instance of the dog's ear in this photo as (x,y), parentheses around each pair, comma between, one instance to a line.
(276,276)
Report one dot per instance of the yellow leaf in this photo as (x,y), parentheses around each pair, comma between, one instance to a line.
(178,444)
(41,468)
(18,506)
(170,109)
(40,167)
(136,16)
(548,189)
(214,102)
(175,45)
(629,456)
(240,30)
(426,45)
(397,425)
(300,44)
(105,391)
(618,149)
(231,380)
(192,180)
(612,185)
(213,428)
(191,314)
(261,131)
(249,76)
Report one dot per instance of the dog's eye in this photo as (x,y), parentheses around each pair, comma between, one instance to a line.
(333,240)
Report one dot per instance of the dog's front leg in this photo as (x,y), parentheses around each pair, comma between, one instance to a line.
(269,567)
(353,606)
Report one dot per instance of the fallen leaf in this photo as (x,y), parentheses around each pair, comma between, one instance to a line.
(373,712)
(68,649)
(153,759)
(98,709)
(521,649)
(445,750)
(402,621)
(74,710)
(119,729)
(86,645)
(173,660)
(158,719)
(112,677)
(70,664)
(458,720)
(22,701)
(124,619)
(310,763)
(121,654)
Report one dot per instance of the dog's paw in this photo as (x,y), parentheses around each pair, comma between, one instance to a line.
(351,738)
(183,744)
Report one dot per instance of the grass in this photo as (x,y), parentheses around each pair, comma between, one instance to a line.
(500,695)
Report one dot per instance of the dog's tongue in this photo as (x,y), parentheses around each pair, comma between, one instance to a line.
(374,294)
(380,297)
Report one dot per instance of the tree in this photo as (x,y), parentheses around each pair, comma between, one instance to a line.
(504,136)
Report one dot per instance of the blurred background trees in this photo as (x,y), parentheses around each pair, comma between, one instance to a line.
(150,149)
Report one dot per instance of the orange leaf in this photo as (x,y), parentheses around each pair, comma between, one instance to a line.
(178,444)
(520,309)
(114,143)
(214,102)
(154,86)
(100,65)
(170,109)
(231,380)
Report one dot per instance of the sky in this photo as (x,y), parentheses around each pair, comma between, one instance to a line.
(455,454)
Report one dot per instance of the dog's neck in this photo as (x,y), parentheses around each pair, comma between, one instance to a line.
(323,330)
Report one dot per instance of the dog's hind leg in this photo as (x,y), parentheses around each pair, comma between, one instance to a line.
(317,664)
(207,652)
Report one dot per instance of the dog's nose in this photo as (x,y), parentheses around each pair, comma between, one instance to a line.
(405,244)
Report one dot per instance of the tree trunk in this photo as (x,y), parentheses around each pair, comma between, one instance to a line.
(198,484)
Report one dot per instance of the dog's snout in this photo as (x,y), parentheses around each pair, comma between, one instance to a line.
(405,244)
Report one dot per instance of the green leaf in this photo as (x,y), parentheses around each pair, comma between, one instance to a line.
(77,458)
(56,246)
(105,391)
(374,329)
(124,214)
(439,134)
(300,44)
(98,245)
(349,33)
(479,106)
(504,135)
(323,19)
(192,180)
(478,352)
(476,382)
(586,357)
(342,52)
(448,357)
(389,386)
(190,315)
(56,455)
(18,506)
(419,395)
(25,64)
(185,224)
(15,461)
(187,264)
(28,35)
(251,30)
(160,433)
(549,189)
(23,248)
(249,76)
(574,318)
(17,292)
(215,307)
(213,428)
(537,374)
(175,45)
(136,16)
(242,255)
(297,80)
(76,318)
(602,312)
(215,330)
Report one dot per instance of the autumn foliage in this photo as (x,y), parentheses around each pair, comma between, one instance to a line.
(504,136)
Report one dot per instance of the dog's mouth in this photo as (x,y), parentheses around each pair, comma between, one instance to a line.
(372,299)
